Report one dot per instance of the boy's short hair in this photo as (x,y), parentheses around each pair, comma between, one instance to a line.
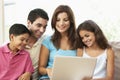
(36,13)
(18,29)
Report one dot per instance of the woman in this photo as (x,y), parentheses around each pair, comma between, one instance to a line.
(62,42)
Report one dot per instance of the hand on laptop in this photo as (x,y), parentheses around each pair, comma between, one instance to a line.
(49,72)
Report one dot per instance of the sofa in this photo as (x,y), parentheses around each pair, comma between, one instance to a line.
(116,47)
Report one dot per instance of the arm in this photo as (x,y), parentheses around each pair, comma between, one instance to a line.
(79,52)
(43,60)
(110,66)
(28,69)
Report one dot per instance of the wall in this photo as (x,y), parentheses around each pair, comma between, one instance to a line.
(1,22)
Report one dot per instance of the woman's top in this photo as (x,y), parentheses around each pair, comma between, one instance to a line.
(53,51)
(100,69)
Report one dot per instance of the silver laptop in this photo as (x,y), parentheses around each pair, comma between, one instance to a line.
(72,68)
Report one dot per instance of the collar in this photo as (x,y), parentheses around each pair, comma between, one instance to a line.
(7,50)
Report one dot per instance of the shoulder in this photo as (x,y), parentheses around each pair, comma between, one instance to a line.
(42,38)
(79,51)
(47,42)
(47,38)
(110,52)
(3,47)
(25,52)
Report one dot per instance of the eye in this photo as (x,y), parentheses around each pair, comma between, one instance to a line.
(86,35)
(39,25)
(58,20)
(26,40)
(21,39)
(66,19)
(45,27)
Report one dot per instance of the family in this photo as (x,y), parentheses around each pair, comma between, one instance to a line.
(30,54)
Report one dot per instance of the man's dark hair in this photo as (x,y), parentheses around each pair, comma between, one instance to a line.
(36,13)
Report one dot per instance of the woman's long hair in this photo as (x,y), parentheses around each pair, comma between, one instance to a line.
(71,33)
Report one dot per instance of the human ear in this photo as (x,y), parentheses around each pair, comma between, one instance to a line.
(11,37)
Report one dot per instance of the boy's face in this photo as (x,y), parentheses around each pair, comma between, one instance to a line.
(38,27)
(19,42)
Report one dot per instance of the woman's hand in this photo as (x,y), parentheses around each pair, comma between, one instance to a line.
(49,72)
(87,78)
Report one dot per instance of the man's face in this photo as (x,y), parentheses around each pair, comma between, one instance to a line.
(38,27)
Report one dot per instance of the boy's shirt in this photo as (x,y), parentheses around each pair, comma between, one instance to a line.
(12,66)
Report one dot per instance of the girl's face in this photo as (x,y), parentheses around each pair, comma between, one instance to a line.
(88,38)
(19,42)
(63,22)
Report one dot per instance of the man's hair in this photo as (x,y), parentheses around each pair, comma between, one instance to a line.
(18,29)
(36,13)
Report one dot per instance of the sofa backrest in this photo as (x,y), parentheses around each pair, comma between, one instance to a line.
(116,47)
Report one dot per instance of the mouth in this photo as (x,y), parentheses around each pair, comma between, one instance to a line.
(87,42)
(61,27)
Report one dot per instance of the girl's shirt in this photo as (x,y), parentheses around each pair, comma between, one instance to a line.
(54,52)
(13,66)
(101,68)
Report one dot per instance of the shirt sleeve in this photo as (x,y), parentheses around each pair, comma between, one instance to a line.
(29,67)
(47,42)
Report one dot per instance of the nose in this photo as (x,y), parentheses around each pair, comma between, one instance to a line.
(84,39)
(25,42)
(61,22)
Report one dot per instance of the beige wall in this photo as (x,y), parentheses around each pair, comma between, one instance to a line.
(1,22)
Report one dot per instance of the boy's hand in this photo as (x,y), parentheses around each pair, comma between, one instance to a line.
(25,76)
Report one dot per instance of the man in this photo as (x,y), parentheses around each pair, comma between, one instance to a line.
(37,22)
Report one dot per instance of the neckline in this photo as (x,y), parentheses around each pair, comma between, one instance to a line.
(104,52)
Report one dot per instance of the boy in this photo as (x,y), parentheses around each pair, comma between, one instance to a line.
(15,62)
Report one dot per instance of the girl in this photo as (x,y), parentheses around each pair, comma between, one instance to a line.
(92,43)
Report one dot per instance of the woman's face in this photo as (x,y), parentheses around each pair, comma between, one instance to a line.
(63,22)
(88,38)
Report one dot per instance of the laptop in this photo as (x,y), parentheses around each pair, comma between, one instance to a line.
(72,68)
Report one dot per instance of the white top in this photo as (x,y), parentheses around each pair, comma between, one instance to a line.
(100,69)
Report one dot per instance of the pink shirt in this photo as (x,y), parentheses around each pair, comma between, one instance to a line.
(12,66)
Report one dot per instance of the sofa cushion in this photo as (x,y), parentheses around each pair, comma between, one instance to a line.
(116,47)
